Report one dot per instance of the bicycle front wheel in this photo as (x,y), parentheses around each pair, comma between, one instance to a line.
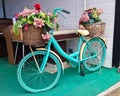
(94,46)
(31,79)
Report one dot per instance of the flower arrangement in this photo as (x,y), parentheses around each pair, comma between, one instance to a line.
(90,16)
(36,17)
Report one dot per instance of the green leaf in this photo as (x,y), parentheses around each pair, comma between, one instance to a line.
(16,26)
(50,24)
(29,22)
(42,14)
(57,26)
(24,19)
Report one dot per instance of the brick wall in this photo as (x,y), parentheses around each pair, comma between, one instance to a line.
(76,8)
(71,21)
(108,17)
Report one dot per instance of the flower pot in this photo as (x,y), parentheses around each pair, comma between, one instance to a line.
(33,36)
(95,29)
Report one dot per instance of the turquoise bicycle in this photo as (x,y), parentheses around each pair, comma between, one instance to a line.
(40,70)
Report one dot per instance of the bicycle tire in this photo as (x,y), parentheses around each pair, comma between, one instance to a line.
(31,79)
(100,48)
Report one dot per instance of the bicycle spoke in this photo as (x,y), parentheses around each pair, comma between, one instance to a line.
(94,46)
(29,76)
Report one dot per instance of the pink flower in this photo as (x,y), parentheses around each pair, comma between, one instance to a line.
(17,15)
(26,12)
(46,36)
(100,10)
(55,20)
(84,18)
(49,14)
(26,27)
(36,11)
(38,22)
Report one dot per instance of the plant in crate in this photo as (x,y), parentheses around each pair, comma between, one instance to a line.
(91,20)
(34,23)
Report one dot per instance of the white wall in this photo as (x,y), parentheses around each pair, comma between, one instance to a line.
(71,22)
(108,17)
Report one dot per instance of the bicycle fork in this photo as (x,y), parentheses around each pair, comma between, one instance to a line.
(44,62)
(45,58)
(35,59)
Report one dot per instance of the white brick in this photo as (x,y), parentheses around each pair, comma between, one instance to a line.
(71,22)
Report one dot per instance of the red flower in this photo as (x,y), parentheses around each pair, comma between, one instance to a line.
(37,6)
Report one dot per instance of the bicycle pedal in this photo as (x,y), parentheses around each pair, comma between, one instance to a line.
(82,73)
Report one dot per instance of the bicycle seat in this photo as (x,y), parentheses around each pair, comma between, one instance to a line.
(83,32)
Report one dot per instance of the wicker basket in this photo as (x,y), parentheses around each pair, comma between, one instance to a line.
(19,37)
(96,29)
(33,36)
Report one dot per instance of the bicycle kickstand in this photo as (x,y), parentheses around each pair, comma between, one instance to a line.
(82,73)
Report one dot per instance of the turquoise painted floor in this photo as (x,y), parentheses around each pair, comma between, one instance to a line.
(70,84)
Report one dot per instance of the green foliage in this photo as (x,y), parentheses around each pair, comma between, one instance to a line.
(37,18)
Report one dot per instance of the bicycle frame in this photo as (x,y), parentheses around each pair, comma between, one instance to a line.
(41,70)
(74,57)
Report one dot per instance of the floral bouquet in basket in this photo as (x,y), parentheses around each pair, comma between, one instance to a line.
(36,25)
(35,17)
(91,20)
(91,16)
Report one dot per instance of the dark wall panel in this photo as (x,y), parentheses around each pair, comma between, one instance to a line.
(116,43)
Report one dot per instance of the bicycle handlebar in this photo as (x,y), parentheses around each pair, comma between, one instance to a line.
(65,11)
(58,10)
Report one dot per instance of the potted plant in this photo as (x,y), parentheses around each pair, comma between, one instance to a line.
(91,20)
(33,20)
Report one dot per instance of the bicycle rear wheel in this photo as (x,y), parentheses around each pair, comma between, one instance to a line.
(94,46)
(34,81)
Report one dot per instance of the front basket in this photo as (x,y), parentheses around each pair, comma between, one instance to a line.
(33,36)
